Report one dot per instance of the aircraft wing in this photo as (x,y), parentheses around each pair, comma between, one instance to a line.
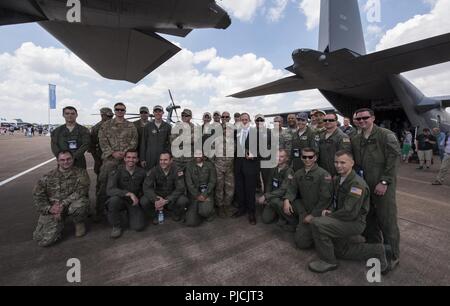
(419,54)
(444,100)
(306,110)
(289,84)
(121,54)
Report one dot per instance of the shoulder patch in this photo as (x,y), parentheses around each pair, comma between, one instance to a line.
(290,177)
(392,138)
(328,178)
(356,191)
(180,173)
(346,140)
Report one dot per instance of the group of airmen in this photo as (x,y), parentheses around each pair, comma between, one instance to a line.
(333,187)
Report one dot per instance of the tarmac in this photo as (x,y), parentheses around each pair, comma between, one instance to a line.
(222,252)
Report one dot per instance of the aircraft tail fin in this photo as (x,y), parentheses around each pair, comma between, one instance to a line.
(340,26)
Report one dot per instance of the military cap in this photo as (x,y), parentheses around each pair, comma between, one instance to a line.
(106,111)
(302,116)
(158,107)
(144,109)
(187,111)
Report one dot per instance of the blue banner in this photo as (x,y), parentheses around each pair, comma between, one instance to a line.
(52,96)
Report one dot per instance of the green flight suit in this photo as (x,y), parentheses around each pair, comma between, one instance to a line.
(200,181)
(328,148)
(76,141)
(140,126)
(120,182)
(332,233)
(168,186)
(378,157)
(95,149)
(310,193)
(306,140)
(276,187)
(154,141)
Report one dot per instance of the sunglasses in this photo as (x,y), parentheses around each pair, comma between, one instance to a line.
(225,117)
(120,109)
(329,120)
(362,118)
(144,113)
(308,157)
(184,115)
(260,120)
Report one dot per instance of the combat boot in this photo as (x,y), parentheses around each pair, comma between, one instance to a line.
(80,230)
(321,266)
(116,232)
(221,212)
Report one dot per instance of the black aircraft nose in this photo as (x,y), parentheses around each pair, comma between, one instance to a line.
(224,22)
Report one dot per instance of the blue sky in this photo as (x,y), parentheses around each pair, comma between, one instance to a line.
(254,50)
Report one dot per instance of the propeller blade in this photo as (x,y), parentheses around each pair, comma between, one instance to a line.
(174,106)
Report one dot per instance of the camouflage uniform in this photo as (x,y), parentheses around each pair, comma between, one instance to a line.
(71,188)
(277,185)
(76,141)
(169,187)
(200,180)
(225,171)
(182,161)
(378,157)
(113,137)
(286,138)
(306,140)
(120,182)
(328,148)
(309,193)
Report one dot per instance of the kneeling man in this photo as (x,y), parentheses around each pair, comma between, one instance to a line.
(201,183)
(61,193)
(124,190)
(164,189)
(345,219)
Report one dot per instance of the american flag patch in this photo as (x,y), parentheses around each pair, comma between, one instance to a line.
(356,191)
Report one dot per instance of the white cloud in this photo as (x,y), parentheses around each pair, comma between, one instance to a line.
(311,9)
(275,13)
(431,80)
(198,80)
(244,10)
(419,27)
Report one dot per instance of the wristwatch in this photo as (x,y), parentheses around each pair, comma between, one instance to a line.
(384,183)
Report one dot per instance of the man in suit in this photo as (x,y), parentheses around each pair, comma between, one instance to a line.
(246,169)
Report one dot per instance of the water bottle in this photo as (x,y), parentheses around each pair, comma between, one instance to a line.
(160,217)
